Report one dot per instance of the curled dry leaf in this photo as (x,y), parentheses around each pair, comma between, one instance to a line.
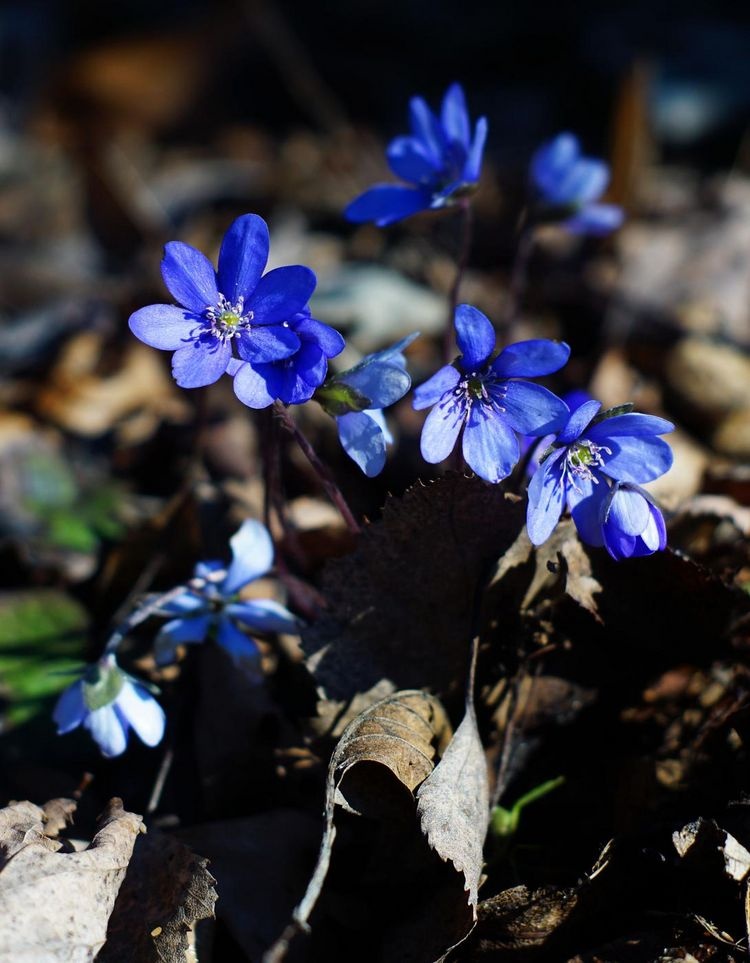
(400,735)
(702,840)
(454,804)
(55,906)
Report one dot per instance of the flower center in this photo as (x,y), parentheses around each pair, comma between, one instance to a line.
(581,460)
(227,320)
(481,387)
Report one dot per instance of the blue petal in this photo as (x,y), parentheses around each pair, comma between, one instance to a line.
(531,359)
(578,421)
(387,203)
(475,337)
(455,116)
(596,220)
(637,460)
(327,338)
(186,603)
(241,647)
(137,707)
(440,430)
(551,161)
(363,440)
(243,257)
(252,388)
(426,128)
(588,513)
(434,388)
(629,511)
(281,294)
(263,615)
(252,556)
(311,364)
(584,182)
(490,447)
(473,166)
(546,499)
(379,418)
(109,731)
(384,383)
(269,342)
(654,536)
(632,423)
(70,710)
(531,409)
(189,277)
(165,326)
(408,160)
(619,544)
(179,632)
(201,363)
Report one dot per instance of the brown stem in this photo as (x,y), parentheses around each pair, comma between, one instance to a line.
(519,275)
(326,478)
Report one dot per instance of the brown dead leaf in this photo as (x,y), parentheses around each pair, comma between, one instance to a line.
(398,735)
(133,399)
(435,543)
(702,841)
(166,890)
(55,906)
(561,557)
(454,804)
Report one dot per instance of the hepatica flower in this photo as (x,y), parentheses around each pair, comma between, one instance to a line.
(484,398)
(594,468)
(211,607)
(356,398)
(294,379)
(236,311)
(567,187)
(441,160)
(109,703)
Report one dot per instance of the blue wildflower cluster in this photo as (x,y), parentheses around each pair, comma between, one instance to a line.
(258,328)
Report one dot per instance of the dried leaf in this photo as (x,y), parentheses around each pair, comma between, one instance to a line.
(702,839)
(436,542)
(398,735)
(55,906)
(561,556)
(166,890)
(453,804)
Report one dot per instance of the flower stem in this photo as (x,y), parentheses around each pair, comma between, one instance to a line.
(326,479)
(519,274)
(467,231)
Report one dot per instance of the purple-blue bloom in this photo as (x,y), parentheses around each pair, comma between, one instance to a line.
(441,158)
(109,703)
(567,187)
(589,456)
(292,380)
(355,398)
(624,510)
(487,400)
(210,604)
(235,307)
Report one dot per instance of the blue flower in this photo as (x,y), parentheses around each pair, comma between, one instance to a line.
(440,158)
(589,455)
(623,531)
(355,398)
(483,398)
(292,380)
(210,605)
(567,186)
(235,306)
(109,703)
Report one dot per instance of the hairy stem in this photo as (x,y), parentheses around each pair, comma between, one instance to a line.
(326,478)
(467,231)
